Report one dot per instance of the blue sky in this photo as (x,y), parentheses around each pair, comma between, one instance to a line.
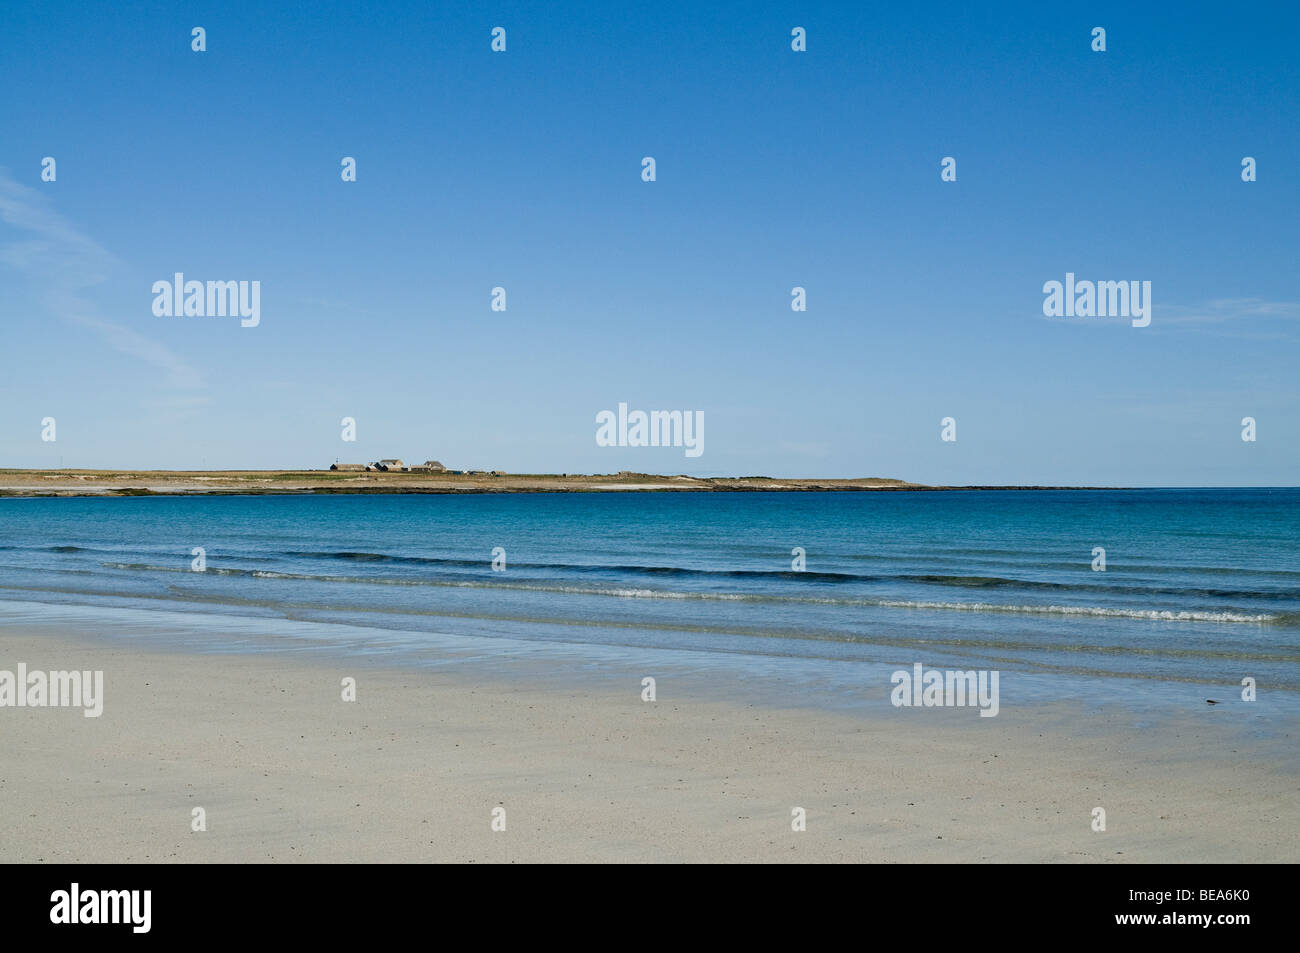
(774,169)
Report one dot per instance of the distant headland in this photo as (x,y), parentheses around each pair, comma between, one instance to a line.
(392,476)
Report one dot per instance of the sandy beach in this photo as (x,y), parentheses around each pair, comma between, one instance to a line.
(285,770)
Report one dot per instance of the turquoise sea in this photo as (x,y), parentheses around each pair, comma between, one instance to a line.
(1200,589)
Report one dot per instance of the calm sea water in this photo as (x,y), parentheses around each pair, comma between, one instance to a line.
(1200,587)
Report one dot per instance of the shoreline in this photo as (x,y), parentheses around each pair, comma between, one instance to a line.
(111,483)
(587,771)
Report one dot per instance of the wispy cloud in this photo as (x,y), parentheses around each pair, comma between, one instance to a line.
(1257,319)
(64,262)
(1225,310)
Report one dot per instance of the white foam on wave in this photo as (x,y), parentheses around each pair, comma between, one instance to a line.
(629,592)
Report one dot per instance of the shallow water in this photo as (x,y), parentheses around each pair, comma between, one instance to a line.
(1201,587)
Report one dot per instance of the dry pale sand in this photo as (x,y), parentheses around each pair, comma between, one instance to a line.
(410,771)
